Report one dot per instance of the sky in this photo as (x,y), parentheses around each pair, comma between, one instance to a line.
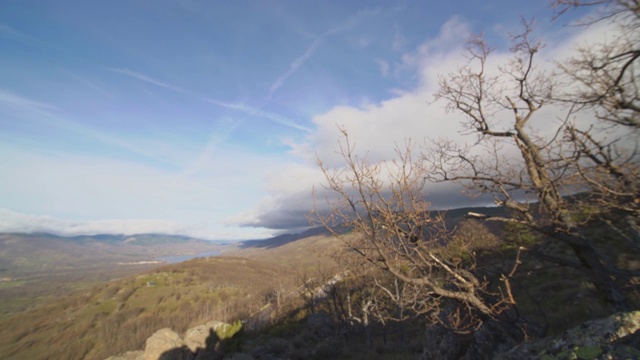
(205,118)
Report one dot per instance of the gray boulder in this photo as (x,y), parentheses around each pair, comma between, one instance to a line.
(196,338)
(614,337)
(165,344)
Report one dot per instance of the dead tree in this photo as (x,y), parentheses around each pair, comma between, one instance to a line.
(499,106)
(384,204)
(604,81)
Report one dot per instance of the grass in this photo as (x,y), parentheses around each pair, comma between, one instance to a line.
(120,315)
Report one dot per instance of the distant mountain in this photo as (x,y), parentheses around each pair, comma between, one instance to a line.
(452,217)
(138,239)
(28,253)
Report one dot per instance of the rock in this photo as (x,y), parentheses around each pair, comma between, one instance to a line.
(129,355)
(210,341)
(196,338)
(490,338)
(165,344)
(609,338)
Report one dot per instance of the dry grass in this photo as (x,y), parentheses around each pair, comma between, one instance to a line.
(120,315)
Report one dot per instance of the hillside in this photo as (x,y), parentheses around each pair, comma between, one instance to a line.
(118,315)
(35,266)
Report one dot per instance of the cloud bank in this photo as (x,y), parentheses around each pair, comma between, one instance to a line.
(11,221)
(377,129)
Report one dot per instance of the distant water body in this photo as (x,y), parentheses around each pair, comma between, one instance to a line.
(172,259)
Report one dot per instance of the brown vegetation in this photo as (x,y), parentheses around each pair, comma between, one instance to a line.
(399,245)
(120,315)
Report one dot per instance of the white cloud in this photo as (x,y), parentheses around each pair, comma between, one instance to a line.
(11,221)
(289,200)
(66,185)
(376,129)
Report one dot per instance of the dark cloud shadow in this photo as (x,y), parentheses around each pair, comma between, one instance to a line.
(282,239)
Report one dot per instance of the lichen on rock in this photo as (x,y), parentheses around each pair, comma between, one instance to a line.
(593,340)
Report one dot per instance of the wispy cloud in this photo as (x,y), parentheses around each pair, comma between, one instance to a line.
(221,131)
(148,79)
(299,61)
(399,41)
(254,111)
(8,32)
(295,65)
(90,84)
(249,110)
(13,99)
(45,113)
(384,67)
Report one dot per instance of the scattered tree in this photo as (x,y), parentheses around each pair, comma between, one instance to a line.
(384,207)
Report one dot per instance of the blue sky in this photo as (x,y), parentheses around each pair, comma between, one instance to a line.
(204,118)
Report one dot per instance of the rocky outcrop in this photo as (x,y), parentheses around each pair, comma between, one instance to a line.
(196,338)
(165,344)
(199,343)
(615,337)
(443,344)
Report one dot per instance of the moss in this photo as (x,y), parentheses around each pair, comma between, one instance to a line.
(227,331)
(577,353)
(229,337)
(588,352)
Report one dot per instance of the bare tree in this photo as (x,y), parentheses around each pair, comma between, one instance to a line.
(533,180)
(383,218)
(368,294)
(384,206)
(603,79)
